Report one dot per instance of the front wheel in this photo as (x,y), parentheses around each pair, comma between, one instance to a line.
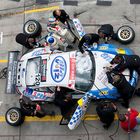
(32,28)
(14,116)
(125,34)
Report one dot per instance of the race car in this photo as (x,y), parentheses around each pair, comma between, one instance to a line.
(39,71)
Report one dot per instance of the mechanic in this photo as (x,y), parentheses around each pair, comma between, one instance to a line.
(24,40)
(119,81)
(105,111)
(30,108)
(106,32)
(124,61)
(88,40)
(129,121)
(61,15)
(64,101)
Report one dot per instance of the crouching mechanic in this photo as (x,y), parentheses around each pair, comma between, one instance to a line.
(119,81)
(106,32)
(123,61)
(30,108)
(88,40)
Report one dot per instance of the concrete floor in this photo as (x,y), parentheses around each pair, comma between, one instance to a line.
(11,23)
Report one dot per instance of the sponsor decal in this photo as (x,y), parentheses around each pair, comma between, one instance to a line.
(72,68)
(103,48)
(58,69)
(120,51)
(106,57)
(104,92)
(39,52)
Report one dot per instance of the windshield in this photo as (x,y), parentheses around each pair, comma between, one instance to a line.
(36,71)
(85,71)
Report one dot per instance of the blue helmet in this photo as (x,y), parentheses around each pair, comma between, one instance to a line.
(50,40)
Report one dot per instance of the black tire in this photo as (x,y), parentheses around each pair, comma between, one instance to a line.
(32,28)
(14,116)
(125,34)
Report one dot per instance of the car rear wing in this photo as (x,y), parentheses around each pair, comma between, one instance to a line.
(12,72)
(76,28)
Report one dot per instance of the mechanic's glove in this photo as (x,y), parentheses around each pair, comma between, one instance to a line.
(38,108)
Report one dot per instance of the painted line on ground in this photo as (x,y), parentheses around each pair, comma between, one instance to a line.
(1,38)
(3,61)
(57,118)
(41,9)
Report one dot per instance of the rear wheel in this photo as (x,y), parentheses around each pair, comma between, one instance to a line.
(125,34)
(14,116)
(32,28)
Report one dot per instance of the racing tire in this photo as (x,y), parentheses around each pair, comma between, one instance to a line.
(14,116)
(125,34)
(32,28)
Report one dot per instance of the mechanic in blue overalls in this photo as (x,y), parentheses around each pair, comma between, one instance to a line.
(87,41)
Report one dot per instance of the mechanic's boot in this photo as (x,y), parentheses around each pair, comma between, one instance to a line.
(137,92)
(70,46)
(125,105)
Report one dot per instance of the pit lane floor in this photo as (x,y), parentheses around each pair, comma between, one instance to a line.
(11,23)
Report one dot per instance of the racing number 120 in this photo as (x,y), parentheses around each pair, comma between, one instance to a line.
(37,79)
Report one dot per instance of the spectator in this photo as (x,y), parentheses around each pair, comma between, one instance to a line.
(124,61)
(106,32)
(105,112)
(129,121)
(88,40)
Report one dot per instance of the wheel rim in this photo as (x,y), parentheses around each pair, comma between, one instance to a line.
(30,27)
(125,33)
(12,116)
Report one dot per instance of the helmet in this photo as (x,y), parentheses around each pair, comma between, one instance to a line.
(52,19)
(51,40)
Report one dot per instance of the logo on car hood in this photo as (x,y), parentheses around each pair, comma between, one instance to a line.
(58,69)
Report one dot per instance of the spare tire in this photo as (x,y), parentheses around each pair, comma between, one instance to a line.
(125,34)
(32,28)
(14,116)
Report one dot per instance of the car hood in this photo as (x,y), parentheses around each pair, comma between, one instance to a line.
(102,59)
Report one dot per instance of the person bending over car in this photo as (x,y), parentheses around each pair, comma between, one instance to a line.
(26,41)
(106,32)
(124,61)
(105,112)
(87,41)
(119,81)
(64,101)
